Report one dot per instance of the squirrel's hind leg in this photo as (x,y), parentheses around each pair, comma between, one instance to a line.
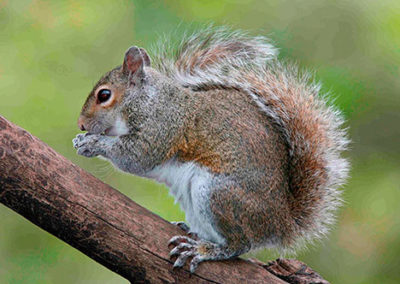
(199,250)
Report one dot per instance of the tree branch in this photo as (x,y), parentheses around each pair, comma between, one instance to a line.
(71,204)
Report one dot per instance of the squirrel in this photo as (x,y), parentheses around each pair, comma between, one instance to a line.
(246,144)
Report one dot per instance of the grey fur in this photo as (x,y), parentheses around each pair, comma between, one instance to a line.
(162,105)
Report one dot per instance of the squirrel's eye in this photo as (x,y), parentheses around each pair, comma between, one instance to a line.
(103,95)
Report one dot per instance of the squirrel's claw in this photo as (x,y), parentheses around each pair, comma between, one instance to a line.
(181,239)
(186,247)
(182,225)
(186,228)
(182,258)
(179,248)
(195,262)
(77,140)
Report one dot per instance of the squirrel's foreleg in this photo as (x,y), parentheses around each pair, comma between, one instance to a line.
(92,145)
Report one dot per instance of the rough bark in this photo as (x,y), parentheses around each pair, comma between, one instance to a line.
(96,219)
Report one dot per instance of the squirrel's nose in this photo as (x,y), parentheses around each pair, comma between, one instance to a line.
(80,124)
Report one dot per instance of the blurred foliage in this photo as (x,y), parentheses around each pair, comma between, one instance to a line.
(52,52)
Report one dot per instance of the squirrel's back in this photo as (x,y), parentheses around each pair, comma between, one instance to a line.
(311,130)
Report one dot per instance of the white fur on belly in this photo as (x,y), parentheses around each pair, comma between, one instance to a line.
(190,185)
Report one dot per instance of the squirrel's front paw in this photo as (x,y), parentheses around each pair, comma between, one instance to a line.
(88,144)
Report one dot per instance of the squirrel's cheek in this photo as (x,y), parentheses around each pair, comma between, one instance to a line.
(118,129)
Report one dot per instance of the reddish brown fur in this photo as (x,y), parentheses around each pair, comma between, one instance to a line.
(308,135)
(203,140)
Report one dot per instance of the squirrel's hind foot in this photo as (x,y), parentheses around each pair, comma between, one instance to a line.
(199,250)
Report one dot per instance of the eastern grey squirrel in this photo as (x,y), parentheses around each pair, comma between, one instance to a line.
(246,144)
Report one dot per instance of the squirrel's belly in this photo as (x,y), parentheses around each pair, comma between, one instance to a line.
(189,184)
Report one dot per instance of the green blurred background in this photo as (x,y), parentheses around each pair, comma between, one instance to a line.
(52,52)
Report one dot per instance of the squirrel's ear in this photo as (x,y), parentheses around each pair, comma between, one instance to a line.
(135,59)
(146,57)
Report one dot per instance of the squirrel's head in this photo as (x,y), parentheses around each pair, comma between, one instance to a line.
(103,111)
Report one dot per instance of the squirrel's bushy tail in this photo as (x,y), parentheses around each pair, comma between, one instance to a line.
(315,138)
(312,130)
